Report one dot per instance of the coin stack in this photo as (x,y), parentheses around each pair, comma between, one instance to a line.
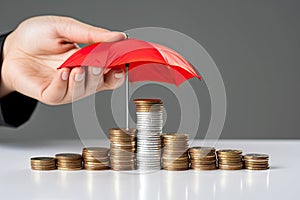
(256,161)
(175,152)
(69,161)
(122,149)
(43,163)
(149,114)
(229,159)
(95,158)
(203,158)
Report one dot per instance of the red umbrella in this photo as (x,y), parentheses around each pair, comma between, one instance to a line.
(145,61)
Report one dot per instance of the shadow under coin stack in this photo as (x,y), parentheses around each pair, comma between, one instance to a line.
(175,152)
(43,163)
(122,149)
(149,113)
(95,158)
(69,161)
(229,159)
(203,158)
(256,161)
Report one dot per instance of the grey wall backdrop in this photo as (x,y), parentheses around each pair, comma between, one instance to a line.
(255,45)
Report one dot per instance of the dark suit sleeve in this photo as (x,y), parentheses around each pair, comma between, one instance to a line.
(15,108)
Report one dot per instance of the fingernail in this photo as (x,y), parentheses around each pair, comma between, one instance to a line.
(79,77)
(65,75)
(126,35)
(119,75)
(96,70)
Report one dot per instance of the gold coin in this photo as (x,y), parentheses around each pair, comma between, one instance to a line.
(229,152)
(229,167)
(95,149)
(67,156)
(43,168)
(42,159)
(201,148)
(147,101)
(175,168)
(256,156)
(69,169)
(96,168)
(257,168)
(209,167)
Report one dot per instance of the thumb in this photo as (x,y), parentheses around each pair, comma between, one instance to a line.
(78,32)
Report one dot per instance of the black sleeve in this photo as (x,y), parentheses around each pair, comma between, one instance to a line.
(15,108)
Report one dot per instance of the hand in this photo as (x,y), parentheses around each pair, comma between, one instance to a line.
(39,45)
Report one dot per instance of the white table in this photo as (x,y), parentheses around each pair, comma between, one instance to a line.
(17,181)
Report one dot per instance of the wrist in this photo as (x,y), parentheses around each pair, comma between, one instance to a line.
(5,88)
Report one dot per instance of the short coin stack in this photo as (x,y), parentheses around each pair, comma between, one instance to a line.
(69,161)
(175,152)
(229,159)
(122,149)
(95,158)
(203,158)
(43,163)
(149,125)
(256,161)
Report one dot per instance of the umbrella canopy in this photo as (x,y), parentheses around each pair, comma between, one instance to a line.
(147,61)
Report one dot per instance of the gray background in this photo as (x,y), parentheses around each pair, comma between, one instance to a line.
(255,45)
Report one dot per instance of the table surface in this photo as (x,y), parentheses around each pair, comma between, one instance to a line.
(18,181)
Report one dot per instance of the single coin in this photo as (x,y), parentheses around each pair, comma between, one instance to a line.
(42,159)
(229,151)
(257,168)
(142,101)
(256,156)
(67,156)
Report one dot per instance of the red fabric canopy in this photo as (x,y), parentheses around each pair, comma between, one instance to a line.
(147,61)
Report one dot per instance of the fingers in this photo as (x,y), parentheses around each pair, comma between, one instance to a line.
(78,32)
(113,79)
(76,88)
(57,89)
(94,80)
(68,86)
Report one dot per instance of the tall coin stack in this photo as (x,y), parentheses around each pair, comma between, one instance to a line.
(43,163)
(203,158)
(256,161)
(149,125)
(69,161)
(229,159)
(122,149)
(95,158)
(175,152)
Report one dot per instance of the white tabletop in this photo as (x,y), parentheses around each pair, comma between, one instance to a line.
(18,181)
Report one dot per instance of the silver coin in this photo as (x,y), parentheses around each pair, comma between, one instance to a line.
(148,154)
(149,163)
(149,113)
(151,140)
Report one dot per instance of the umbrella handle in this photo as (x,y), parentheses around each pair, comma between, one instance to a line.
(127,94)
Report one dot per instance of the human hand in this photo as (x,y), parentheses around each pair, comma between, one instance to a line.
(39,45)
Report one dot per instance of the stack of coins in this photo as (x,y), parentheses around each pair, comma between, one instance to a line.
(203,158)
(149,114)
(95,158)
(69,161)
(122,149)
(175,152)
(43,163)
(256,161)
(229,159)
